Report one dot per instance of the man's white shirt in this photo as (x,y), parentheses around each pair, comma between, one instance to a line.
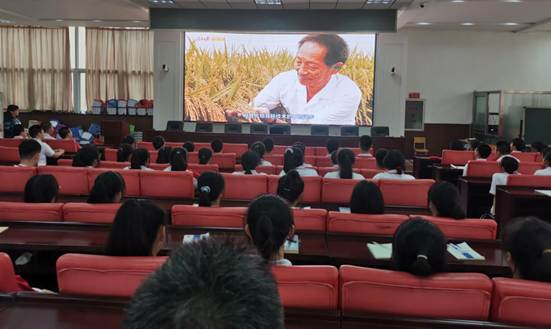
(337,103)
(46,151)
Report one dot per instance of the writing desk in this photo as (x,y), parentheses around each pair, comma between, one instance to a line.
(475,195)
(422,166)
(446,173)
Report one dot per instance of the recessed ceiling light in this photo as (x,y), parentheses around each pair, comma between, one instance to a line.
(136,21)
(513,1)
(467,24)
(164,2)
(268,2)
(510,24)
(97,20)
(424,23)
(379,2)
(457,1)
(59,20)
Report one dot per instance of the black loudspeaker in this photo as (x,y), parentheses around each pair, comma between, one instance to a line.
(174,126)
(259,128)
(203,127)
(380,131)
(280,130)
(350,131)
(319,130)
(233,128)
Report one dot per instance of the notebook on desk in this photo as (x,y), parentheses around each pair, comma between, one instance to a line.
(462,251)
(3,228)
(292,246)
(345,210)
(544,192)
(188,238)
(380,250)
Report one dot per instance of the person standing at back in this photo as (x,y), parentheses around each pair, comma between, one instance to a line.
(11,119)
(395,163)
(365,146)
(46,151)
(29,153)
(345,160)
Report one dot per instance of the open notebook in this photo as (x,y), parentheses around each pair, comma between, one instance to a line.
(460,251)
(544,192)
(292,246)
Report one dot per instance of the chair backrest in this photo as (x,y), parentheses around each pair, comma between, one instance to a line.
(199,168)
(521,302)
(131,179)
(224,160)
(65,162)
(236,148)
(529,168)
(71,180)
(19,211)
(526,156)
(8,281)
(419,143)
(482,168)
(279,149)
(529,181)
(145,145)
(310,220)
(383,225)
(467,229)
(112,164)
(90,213)
(461,158)
(111,154)
(323,161)
(365,162)
(153,156)
(308,287)
(167,184)
(219,217)
(312,188)
(10,142)
(274,159)
(336,190)
(310,159)
(315,151)
(370,173)
(14,178)
(159,166)
(447,295)
(69,145)
(269,170)
(107,276)
(9,155)
(400,193)
(244,187)
(324,170)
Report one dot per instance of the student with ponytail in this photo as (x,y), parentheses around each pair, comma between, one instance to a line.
(444,201)
(294,159)
(210,187)
(395,163)
(249,162)
(269,224)
(124,152)
(163,154)
(108,187)
(290,187)
(419,247)
(345,160)
(260,148)
(367,199)
(178,162)
(139,160)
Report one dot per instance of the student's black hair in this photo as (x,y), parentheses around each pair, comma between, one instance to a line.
(17,130)
(538,147)
(158,142)
(34,130)
(41,189)
(12,108)
(290,186)
(128,140)
(547,159)
(367,199)
(473,144)
(444,196)
(346,159)
(135,228)
(365,142)
(215,283)
(484,150)
(502,147)
(529,242)
(300,146)
(259,148)
(63,132)
(292,158)
(380,156)
(209,187)
(163,154)
(139,158)
(106,186)
(124,152)
(216,146)
(269,144)
(457,145)
(394,160)
(270,221)
(189,146)
(334,159)
(46,125)
(86,156)
(204,155)
(28,148)
(509,164)
(178,159)
(332,145)
(419,247)
(519,144)
(249,161)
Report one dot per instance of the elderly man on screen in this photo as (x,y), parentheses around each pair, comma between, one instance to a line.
(314,92)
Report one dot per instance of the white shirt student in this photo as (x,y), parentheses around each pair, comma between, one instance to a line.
(48,137)
(467,165)
(253,172)
(265,163)
(543,172)
(141,168)
(506,155)
(336,174)
(393,174)
(366,155)
(303,171)
(46,151)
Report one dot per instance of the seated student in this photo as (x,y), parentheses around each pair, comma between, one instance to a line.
(124,152)
(49,131)
(87,156)
(163,154)
(546,164)
(395,164)
(269,223)
(139,229)
(509,166)
(365,146)
(419,247)
(210,188)
(178,162)
(473,144)
(65,133)
(260,149)
(528,245)
(29,153)
(46,151)
(367,199)
(380,156)
(158,142)
(108,187)
(332,145)
(189,146)
(538,147)
(210,284)
(249,162)
(302,148)
(482,152)
(518,145)
(444,201)
(290,187)
(269,144)
(19,132)
(129,140)
(334,159)
(216,146)
(457,145)
(41,189)
(345,160)
(503,149)
(139,160)
(204,156)
(294,159)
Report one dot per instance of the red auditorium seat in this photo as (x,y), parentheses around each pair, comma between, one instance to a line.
(493,156)
(369,173)
(312,188)
(192,157)
(529,168)
(324,170)
(198,168)
(313,151)
(113,164)
(224,160)
(235,148)
(279,149)
(244,188)
(468,229)
(131,179)
(482,168)
(147,145)
(323,161)
(167,184)
(69,145)
(460,158)
(8,281)
(9,155)
(107,276)
(65,162)
(110,154)
(10,142)
(90,213)
(308,287)
(384,225)
(14,178)
(365,163)
(153,156)
(400,193)
(336,190)
(529,181)
(71,180)
(268,170)
(310,220)
(199,146)
(310,159)
(526,156)
(159,166)
(223,217)
(447,295)
(19,211)
(173,144)
(521,302)
(274,159)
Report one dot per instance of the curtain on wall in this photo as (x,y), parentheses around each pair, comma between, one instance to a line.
(35,68)
(119,64)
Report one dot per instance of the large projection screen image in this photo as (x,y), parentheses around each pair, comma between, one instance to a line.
(318,78)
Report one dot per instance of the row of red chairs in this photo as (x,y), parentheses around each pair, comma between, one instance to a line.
(488,168)
(9,152)
(460,158)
